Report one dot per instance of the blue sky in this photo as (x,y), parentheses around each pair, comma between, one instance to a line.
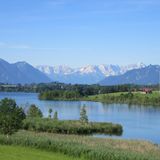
(79,32)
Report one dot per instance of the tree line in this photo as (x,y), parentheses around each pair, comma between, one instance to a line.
(82,90)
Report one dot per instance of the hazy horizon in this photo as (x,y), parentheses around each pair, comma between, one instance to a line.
(78,66)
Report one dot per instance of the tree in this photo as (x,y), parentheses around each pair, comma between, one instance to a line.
(34,112)
(83,115)
(11,116)
(50,113)
(55,117)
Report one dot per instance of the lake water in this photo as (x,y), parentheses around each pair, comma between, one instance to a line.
(138,122)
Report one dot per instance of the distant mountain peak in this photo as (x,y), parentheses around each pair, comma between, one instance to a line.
(3,61)
(22,63)
(88,74)
(61,69)
(88,69)
(148,75)
(20,72)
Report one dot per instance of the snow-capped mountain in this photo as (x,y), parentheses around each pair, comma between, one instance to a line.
(89,74)
(129,67)
(23,72)
(62,69)
(143,76)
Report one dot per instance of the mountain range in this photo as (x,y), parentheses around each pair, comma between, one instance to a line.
(90,74)
(144,76)
(24,73)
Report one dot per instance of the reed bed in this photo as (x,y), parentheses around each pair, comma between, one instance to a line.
(85,147)
(70,126)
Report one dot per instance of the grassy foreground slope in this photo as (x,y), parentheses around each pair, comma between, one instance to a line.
(24,153)
(85,147)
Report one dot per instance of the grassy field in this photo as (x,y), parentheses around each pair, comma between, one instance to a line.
(25,153)
(138,98)
(85,147)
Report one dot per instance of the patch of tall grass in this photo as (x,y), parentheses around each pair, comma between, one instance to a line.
(86,147)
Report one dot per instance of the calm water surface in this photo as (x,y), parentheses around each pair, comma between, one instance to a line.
(138,122)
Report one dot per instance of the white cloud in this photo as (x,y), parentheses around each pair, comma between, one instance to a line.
(22,46)
(13,46)
(19,47)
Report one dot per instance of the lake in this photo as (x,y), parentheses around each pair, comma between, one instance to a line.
(139,122)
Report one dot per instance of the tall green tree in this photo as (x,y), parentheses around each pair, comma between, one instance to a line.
(50,113)
(34,112)
(55,117)
(11,116)
(83,115)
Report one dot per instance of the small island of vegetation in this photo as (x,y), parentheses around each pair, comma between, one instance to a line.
(13,118)
(71,127)
(36,122)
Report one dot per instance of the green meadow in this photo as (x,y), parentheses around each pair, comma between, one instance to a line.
(137,98)
(25,153)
